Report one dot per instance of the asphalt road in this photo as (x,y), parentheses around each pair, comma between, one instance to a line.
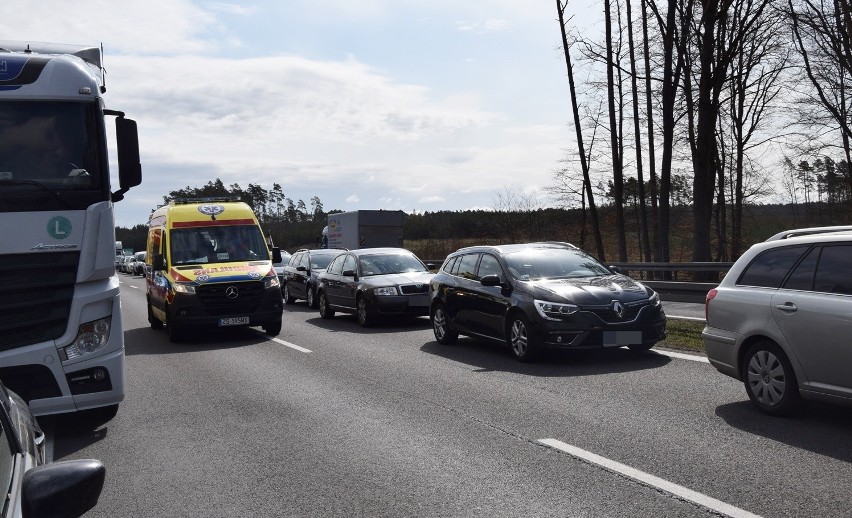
(334,420)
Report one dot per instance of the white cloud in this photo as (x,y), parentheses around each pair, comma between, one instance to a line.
(352,198)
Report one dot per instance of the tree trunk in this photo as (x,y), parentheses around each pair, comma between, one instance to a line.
(617,168)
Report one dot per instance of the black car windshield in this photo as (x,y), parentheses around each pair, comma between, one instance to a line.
(217,244)
(553,263)
(386,264)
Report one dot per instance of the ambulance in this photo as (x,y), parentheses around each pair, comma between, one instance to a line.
(209,266)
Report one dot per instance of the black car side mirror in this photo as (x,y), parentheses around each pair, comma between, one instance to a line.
(491,280)
(349,273)
(65,488)
(301,269)
(614,269)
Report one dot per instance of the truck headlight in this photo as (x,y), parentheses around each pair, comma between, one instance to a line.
(189,289)
(271,282)
(385,290)
(91,337)
(555,310)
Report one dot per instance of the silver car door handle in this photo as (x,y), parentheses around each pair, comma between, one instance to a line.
(789,306)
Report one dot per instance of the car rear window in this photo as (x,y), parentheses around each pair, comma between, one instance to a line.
(769,268)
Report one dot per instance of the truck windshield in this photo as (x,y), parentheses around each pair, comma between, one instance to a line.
(220,244)
(50,144)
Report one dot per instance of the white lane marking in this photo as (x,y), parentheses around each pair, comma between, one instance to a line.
(287,344)
(690,319)
(134,287)
(650,480)
(682,356)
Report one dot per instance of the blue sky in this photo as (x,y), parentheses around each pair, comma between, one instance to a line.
(374,104)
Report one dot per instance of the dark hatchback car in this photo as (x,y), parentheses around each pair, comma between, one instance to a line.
(375,283)
(542,295)
(300,274)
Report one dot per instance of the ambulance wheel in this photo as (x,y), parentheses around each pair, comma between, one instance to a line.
(272,328)
(155,322)
(175,331)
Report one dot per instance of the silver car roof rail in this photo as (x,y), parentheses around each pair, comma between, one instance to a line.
(799,232)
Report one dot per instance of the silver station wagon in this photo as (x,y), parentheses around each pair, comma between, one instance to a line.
(781,320)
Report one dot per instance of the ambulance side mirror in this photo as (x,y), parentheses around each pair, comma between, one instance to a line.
(158,264)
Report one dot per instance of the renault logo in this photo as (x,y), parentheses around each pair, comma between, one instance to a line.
(618,307)
(232,292)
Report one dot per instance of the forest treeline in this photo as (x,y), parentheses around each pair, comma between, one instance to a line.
(433,235)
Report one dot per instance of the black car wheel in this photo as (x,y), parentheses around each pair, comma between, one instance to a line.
(288,297)
(365,313)
(272,328)
(311,297)
(155,322)
(444,334)
(324,310)
(520,341)
(769,379)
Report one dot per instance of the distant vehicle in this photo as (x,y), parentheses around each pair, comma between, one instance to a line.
(374,283)
(139,263)
(364,229)
(125,265)
(279,267)
(536,295)
(32,487)
(210,267)
(780,320)
(300,274)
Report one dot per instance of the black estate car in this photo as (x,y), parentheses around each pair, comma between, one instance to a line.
(300,274)
(542,295)
(374,283)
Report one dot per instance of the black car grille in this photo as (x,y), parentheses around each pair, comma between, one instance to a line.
(413,289)
(608,315)
(35,297)
(215,299)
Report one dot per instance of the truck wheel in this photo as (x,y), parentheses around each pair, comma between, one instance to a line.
(155,322)
(324,310)
(272,328)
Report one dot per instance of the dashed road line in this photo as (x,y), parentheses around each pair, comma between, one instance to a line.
(287,344)
(676,490)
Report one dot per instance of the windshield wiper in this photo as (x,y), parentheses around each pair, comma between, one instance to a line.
(40,185)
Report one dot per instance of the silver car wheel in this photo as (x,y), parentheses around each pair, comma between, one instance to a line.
(767,379)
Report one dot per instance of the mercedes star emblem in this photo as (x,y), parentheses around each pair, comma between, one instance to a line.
(232,292)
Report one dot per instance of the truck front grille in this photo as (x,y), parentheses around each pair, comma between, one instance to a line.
(216,299)
(35,296)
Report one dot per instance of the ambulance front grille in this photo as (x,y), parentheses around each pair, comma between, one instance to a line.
(35,296)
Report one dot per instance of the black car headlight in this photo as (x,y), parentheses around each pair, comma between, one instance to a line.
(655,299)
(555,310)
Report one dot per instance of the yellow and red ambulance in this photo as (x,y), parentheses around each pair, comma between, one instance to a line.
(208,265)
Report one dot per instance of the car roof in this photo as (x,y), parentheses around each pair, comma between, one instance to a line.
(517,247)
(381,251)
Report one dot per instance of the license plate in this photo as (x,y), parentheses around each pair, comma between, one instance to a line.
(233,321)
(619,338)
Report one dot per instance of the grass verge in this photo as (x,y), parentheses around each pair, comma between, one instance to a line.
(684,335)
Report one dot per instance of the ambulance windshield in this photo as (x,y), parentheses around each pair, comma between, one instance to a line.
(219,244)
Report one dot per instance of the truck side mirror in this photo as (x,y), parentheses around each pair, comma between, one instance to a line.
(158,264)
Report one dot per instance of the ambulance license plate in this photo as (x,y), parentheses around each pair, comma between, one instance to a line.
(619,338)
(233,321)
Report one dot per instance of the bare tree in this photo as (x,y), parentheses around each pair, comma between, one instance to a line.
(615,140)
(587,183)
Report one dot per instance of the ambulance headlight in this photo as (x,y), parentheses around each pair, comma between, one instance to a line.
(91,337)
(271,282)
(189,289)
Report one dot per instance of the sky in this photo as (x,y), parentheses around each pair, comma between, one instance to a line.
(409,105)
